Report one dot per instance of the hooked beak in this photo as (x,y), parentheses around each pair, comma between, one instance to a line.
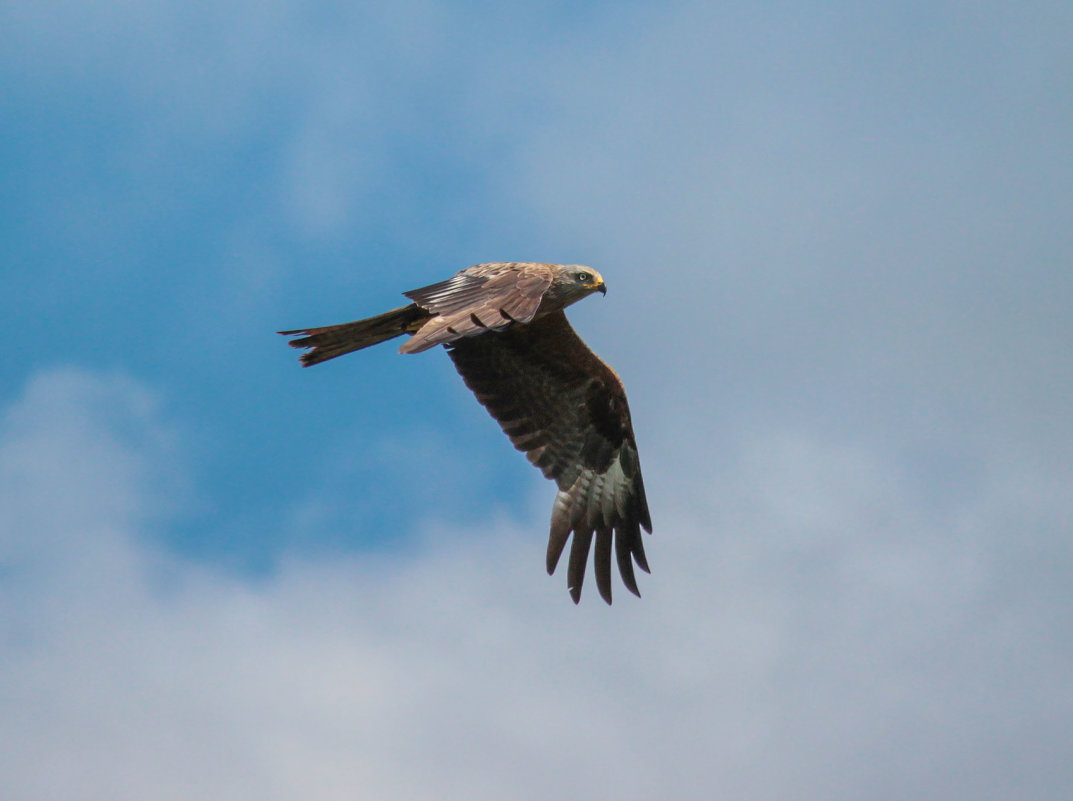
(602,288)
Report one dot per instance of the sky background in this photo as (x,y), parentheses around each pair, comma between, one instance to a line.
(837,239)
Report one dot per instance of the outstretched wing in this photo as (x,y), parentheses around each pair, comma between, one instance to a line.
(566,409)
(480,298)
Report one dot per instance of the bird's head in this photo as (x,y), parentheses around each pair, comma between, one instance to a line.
(573,282)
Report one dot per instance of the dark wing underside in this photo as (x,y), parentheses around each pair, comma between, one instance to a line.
(478,299)
(566,409)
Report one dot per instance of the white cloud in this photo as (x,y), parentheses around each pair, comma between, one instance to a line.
(813,632)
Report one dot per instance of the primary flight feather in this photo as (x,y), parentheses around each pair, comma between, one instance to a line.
(504,328)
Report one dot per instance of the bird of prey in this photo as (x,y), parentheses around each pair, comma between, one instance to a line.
(503,325)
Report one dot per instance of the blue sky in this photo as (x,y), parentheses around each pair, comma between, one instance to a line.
(837,242)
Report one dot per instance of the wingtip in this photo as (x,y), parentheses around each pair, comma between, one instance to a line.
(639,553)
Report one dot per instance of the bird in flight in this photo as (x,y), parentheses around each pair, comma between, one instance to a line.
(504,328)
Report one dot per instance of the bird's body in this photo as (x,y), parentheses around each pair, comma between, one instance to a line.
(504,328)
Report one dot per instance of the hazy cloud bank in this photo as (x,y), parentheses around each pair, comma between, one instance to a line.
(816,632)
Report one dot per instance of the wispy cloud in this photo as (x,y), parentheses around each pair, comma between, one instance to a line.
(815,632)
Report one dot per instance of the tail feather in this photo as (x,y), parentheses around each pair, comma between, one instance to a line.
(330,341)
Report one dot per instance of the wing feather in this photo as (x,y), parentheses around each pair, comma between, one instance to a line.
(602,563)
(567,410)
(579,557)
(482,297)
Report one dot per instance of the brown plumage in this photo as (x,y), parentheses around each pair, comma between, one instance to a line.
(504,328)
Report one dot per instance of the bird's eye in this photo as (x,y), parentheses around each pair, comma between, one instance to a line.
(584,277)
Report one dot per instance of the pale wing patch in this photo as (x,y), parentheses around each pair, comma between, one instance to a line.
(604,504)
(512,289)
(485,297)
(444,330)
(450,296)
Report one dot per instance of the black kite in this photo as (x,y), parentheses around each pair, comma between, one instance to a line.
(504,327)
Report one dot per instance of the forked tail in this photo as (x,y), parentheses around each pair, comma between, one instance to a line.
(330,341)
